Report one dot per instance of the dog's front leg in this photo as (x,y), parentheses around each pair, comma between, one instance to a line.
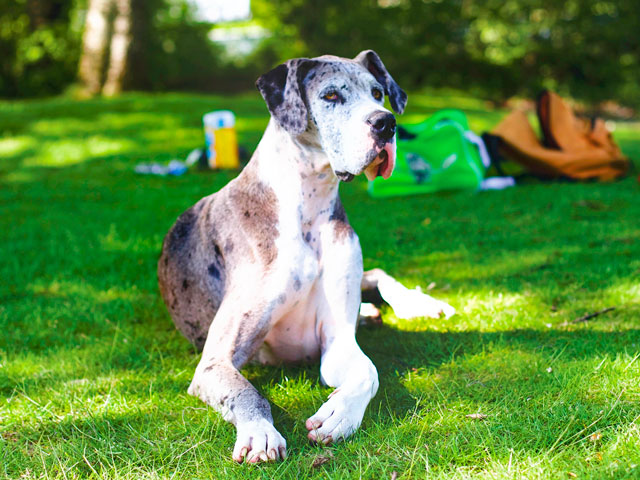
(235,334)
(343,365)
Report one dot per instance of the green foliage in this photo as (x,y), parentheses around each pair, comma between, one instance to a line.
(172,51)
(93,374)
(587,48)
(39,46)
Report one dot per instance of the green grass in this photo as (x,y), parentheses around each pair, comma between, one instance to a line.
(93,375)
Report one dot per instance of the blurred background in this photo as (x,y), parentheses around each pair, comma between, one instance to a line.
(495,49)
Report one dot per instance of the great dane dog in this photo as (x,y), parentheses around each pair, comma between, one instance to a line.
(269,269)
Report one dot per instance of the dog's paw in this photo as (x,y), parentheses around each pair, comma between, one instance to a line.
(369,315)
(336,419)
(408,304)
(259,441)
(418,304)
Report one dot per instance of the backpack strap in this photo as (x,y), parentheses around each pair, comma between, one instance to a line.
(492,144)
(482,149)
(542,111)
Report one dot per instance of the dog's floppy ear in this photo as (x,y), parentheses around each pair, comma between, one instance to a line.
(371,61)
(283,91)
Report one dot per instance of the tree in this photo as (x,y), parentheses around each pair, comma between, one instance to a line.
(107,34)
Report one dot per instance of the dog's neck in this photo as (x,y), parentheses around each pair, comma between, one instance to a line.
(298,170)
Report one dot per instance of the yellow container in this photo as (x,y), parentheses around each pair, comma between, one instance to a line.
(220,139)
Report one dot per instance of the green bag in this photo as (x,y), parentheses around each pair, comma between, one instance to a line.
(440,153)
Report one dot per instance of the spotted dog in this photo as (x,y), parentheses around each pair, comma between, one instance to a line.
(269,269)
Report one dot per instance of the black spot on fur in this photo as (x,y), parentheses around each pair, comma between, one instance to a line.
(185,284)
(214,271)
(338,212)
(339,218)
(216,248)
(193,326)
(297,284)
(307,237)
(181,230)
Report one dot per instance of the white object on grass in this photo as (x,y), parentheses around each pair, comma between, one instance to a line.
(497,183)
(407,303)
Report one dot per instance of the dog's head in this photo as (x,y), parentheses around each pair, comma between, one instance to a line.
(340,103)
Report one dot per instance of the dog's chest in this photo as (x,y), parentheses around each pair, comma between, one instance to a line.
(305,205)
(293,335)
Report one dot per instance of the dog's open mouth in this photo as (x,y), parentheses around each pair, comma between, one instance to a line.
(382,165)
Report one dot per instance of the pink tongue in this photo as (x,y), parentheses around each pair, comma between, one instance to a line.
(386,167)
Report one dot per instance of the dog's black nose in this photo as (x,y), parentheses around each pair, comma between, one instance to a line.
(383,125)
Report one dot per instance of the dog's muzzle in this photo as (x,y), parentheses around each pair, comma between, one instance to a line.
(383,126)
(383,131)
(381,158)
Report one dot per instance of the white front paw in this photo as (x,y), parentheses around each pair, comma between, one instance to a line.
(259,441)
(336,419)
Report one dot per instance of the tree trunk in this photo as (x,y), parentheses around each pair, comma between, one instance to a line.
(120,42)
(94,46)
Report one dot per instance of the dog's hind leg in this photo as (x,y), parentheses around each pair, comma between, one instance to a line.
(377,285)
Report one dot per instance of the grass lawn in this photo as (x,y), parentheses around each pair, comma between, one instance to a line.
(93,375)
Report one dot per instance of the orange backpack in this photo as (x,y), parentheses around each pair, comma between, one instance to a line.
(572,147)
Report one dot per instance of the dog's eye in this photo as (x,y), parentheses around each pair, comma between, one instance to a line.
(331,96)
(377,94)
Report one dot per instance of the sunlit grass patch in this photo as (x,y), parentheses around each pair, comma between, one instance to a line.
(15,145)
(70,152)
